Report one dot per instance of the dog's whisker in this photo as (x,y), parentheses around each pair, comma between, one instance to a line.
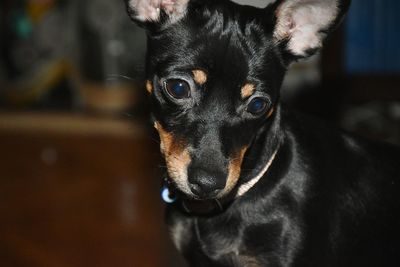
(116,77)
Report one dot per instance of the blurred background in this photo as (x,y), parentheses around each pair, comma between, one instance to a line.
(79,164)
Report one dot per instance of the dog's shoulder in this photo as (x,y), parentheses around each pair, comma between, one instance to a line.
(325,140)
(351,188)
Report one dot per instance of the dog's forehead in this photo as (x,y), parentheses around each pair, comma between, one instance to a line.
(228,44)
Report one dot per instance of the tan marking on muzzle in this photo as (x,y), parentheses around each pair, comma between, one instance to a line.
(235,167)
(177,157)
(248,90)
(149,87)
(200,77)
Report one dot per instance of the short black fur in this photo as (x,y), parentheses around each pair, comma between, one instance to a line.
(328,198)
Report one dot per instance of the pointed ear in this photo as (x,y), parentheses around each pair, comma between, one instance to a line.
(302,25)
(156,11)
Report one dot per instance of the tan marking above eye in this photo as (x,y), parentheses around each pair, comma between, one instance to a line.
(177,157)
(234,170)
(149,86)
(271,111)
(200,77)
(247,90)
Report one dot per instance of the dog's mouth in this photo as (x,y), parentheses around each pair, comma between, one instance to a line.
(177,192)
(202,187)
(193,204)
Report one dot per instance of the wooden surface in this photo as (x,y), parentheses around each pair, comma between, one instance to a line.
(73,199)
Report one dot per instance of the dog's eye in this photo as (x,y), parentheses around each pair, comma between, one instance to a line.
(257,106)
(178,89)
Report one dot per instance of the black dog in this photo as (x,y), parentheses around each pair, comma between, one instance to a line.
(258,185)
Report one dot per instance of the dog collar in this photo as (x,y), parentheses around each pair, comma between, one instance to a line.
(167,196)
(248,185)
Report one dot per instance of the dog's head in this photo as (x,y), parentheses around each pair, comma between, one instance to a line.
(214,72)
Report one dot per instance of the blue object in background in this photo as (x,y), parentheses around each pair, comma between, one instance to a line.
(372,37)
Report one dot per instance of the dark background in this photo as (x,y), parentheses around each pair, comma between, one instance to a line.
(79,164)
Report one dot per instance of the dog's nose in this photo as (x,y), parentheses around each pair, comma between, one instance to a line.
(205,185)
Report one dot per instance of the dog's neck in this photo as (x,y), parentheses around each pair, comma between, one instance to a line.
(244,188)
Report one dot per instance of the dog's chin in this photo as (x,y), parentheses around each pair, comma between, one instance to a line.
(191,196)
(197,198)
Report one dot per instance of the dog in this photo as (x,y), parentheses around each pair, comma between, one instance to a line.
(250,182)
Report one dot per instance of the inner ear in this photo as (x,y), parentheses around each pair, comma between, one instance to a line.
(303,24)
(150,10)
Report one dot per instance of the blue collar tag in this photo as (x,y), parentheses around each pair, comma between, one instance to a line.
(166,195)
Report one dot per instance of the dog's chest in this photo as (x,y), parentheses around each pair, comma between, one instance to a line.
(233,241)
(219,240)
(223,241)
(210,236)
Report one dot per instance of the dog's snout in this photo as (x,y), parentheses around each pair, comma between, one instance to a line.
(206,185)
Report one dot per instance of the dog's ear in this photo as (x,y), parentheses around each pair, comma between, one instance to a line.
(156,12)
(302,25)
